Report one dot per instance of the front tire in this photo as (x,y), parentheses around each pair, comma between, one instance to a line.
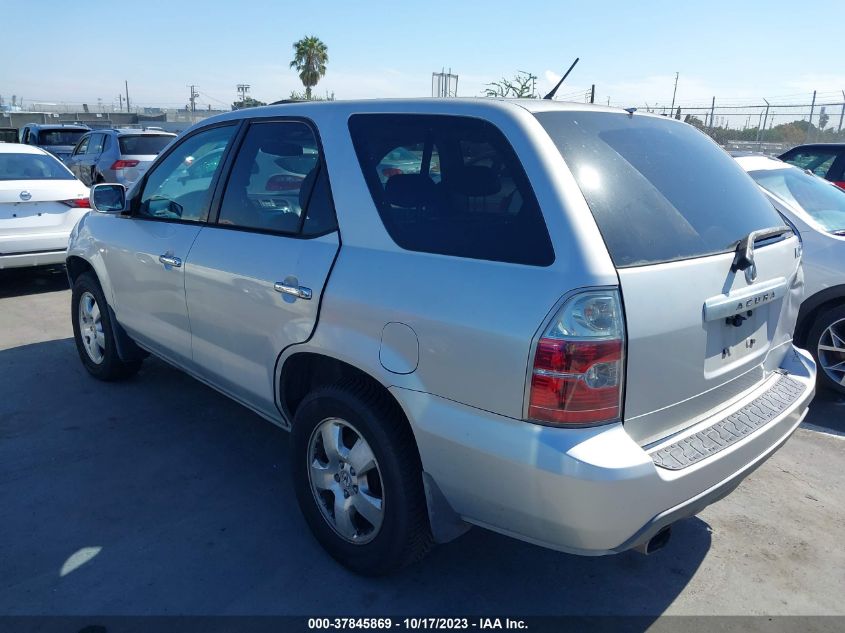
(358,479)
(826,340)
(93,332)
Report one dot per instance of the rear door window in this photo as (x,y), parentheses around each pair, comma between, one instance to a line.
(659,190)
(277,183)
(452,186)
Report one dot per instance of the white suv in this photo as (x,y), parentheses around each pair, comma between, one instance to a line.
(549,320)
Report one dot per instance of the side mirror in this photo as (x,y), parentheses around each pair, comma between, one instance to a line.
(108,198)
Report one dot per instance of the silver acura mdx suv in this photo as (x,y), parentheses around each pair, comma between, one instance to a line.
(569,324)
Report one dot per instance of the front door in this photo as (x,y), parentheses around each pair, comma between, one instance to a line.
(147,249)
(254,276)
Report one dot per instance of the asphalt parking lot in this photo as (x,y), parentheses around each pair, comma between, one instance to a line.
(158,496)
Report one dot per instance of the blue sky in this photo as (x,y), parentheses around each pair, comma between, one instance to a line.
(738,51)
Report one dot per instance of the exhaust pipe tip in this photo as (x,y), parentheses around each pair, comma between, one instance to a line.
(656,542)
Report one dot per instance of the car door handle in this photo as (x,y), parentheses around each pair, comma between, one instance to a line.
(300,292)
(170,260)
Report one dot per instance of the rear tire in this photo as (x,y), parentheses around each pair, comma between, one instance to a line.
(93,332)
(826,341)
(333,427)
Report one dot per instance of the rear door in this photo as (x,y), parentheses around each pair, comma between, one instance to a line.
(146,250)
(254,278)
(672,208)
(77,158)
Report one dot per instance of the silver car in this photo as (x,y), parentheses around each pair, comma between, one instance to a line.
(119,156)
(817,209)
(567,336)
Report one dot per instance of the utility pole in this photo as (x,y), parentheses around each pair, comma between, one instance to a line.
(593,96)
(193,100)
(674,92)
(765,116)
(810,125)
(841,112)
(126,84)
(243,91)
(120,97)
(712,108)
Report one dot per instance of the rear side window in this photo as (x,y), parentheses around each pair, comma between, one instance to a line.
(817,161)
(452,186)
(148,144)
(59,137)
(659,190)
(278,183)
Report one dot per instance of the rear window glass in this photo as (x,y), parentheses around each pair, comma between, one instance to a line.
(147,144)
(32,167)
(817,161)
(659,190)
(452,186)
(824,202)
(59,137)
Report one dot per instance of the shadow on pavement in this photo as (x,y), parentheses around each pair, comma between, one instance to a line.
(19,282)
(160,496)
(827,412)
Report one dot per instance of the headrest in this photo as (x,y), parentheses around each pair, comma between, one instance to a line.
(410,190)
(280,148)
(476,180)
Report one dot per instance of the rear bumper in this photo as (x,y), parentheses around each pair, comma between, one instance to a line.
(592,491)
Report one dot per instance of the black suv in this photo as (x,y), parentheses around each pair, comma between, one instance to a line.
(826,160)
(58,139)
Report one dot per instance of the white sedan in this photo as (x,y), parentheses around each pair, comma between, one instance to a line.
(40,203)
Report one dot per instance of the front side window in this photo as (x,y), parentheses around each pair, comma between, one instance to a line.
(179,187)
(277,182)
(450,185)
(824,202)
(659,190)
(82,147)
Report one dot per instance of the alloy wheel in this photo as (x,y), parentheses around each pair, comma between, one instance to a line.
(345,480)
(831,351)
(91,328)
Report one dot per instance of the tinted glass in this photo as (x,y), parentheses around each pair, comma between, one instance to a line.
(148,144)
(8,136)
(82,147)
(32,167)
(272,178)
(178,188)
(824,202)
(658,189)
(817,161)
(95,146)
(59,137)
(450,185)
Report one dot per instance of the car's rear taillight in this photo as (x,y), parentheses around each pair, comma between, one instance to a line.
(123,164)
(78,203)
(578,366)
(389,172)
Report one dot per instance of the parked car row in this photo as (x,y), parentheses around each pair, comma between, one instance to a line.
(467,312)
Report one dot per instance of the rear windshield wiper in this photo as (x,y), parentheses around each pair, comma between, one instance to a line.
(744,255)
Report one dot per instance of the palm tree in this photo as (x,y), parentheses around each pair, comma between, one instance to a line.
(310,58)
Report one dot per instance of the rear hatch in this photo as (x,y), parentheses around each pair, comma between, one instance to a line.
(672,208)
(138,151)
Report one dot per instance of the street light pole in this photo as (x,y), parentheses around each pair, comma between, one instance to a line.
(674,92)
